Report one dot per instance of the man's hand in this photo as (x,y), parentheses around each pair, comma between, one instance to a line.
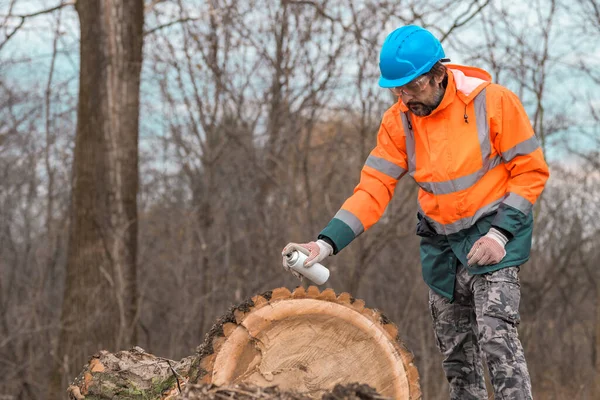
(316,252)
(489,249)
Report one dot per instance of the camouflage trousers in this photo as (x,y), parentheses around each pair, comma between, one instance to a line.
(482,322)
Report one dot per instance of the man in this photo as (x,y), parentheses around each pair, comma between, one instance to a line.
(469,145)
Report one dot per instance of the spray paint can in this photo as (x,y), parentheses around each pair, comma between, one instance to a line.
(317,273)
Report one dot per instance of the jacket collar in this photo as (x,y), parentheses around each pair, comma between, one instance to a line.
(464,82)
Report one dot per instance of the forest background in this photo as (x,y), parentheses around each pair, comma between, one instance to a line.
(156,156)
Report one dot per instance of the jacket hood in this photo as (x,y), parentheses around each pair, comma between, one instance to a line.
(469,81)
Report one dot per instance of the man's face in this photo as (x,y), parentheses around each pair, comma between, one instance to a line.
(422,95)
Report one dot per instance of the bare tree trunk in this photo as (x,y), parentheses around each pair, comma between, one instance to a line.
(597,344)
(100,301)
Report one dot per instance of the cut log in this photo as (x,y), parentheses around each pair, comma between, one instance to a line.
(308,341)
(294,345)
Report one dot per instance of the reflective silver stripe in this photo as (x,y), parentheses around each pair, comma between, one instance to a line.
(384,166)
(483,129)
(463,223)
(519,202)
(351,220)
(450,186)
(458,184)
(523,148)
(410,144)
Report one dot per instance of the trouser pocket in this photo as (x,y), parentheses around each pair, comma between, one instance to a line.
(451,321)
(502,295)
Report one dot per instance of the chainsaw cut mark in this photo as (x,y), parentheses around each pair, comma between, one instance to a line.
(228,328)
(280,293)
(299,293)
(328,295)
(259,301)
(358,305)
(391,330)
(312,291)
(344,298)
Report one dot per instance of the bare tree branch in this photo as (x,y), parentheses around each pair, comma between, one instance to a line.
(41,12)
(12,33)
(461,22)
(24,17)
(171,23)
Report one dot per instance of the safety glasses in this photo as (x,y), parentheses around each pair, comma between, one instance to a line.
(413,87)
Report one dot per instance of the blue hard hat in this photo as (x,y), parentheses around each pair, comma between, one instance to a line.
(408,52)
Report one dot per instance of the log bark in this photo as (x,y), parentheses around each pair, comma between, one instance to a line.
(306,344)
(133,374)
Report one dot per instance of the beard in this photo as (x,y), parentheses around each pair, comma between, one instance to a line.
(424,108)
(420,109)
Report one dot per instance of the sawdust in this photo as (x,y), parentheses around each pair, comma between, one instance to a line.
(353,391)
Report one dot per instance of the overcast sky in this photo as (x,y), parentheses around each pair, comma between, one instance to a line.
(25,60)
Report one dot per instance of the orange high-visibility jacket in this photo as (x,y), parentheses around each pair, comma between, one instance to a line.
(474,156)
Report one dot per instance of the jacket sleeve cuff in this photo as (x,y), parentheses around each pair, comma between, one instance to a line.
(337,234)
(509,220)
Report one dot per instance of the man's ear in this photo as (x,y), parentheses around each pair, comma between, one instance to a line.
(438,78)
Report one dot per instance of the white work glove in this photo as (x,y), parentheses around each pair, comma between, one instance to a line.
(488,249)
(316,252)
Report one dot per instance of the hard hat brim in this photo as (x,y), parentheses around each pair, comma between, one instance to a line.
(392,83)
